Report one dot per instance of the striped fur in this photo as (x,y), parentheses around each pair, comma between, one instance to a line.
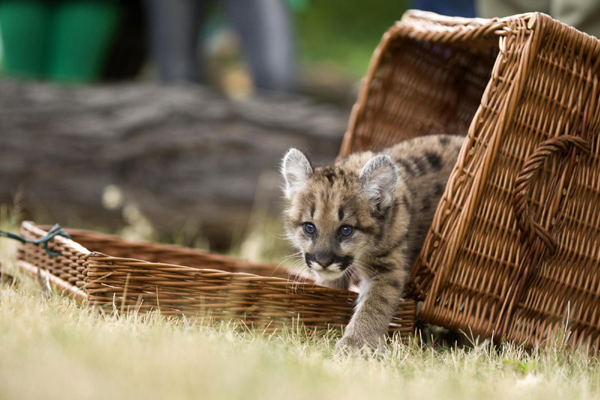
(388,200)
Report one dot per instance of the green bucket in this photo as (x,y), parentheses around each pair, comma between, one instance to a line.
(24,27)
(64,41)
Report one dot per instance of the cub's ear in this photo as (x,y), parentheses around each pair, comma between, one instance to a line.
(296,171)
(378,179)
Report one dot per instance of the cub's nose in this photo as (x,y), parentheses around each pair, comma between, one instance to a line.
(324,259)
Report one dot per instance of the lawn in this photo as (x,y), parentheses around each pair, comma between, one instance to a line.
(52,348)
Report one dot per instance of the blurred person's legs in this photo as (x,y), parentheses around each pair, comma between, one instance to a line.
(581,14)
(174,27)
(452,8)
(128,52)
(24,27)
(505,8)
(266,32)
(82,31)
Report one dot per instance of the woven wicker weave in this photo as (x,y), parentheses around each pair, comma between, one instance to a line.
(514,248)
(190,282)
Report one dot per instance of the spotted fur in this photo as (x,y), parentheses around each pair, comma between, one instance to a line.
(387,200)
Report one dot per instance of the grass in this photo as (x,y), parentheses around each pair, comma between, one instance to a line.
(52,348)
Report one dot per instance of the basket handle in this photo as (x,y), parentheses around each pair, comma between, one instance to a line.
(531,229)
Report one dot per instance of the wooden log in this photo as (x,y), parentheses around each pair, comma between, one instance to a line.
(180,154)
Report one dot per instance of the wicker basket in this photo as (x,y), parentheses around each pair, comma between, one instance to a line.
(514,248)
(139,276)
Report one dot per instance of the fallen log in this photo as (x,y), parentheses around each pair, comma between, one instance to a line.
(182,155)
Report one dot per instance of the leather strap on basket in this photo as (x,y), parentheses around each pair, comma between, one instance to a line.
(529,227)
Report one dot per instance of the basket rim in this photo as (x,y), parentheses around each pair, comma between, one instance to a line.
(465,22)
(140,243)
(40,230)
(455,29)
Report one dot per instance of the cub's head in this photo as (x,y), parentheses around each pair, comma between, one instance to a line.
(335,213)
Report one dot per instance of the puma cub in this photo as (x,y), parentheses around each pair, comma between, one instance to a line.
(367,214)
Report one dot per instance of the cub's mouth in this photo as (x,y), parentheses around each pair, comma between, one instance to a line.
(328,274)
(328,266)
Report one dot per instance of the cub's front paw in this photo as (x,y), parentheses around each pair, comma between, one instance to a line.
(353,343)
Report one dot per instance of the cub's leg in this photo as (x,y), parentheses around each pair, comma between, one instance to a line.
(378,301)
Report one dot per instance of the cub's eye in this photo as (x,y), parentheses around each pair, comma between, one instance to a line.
(346,231)
(309,228)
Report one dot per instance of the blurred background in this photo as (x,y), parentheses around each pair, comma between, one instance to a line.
(167,119)
(239,47)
